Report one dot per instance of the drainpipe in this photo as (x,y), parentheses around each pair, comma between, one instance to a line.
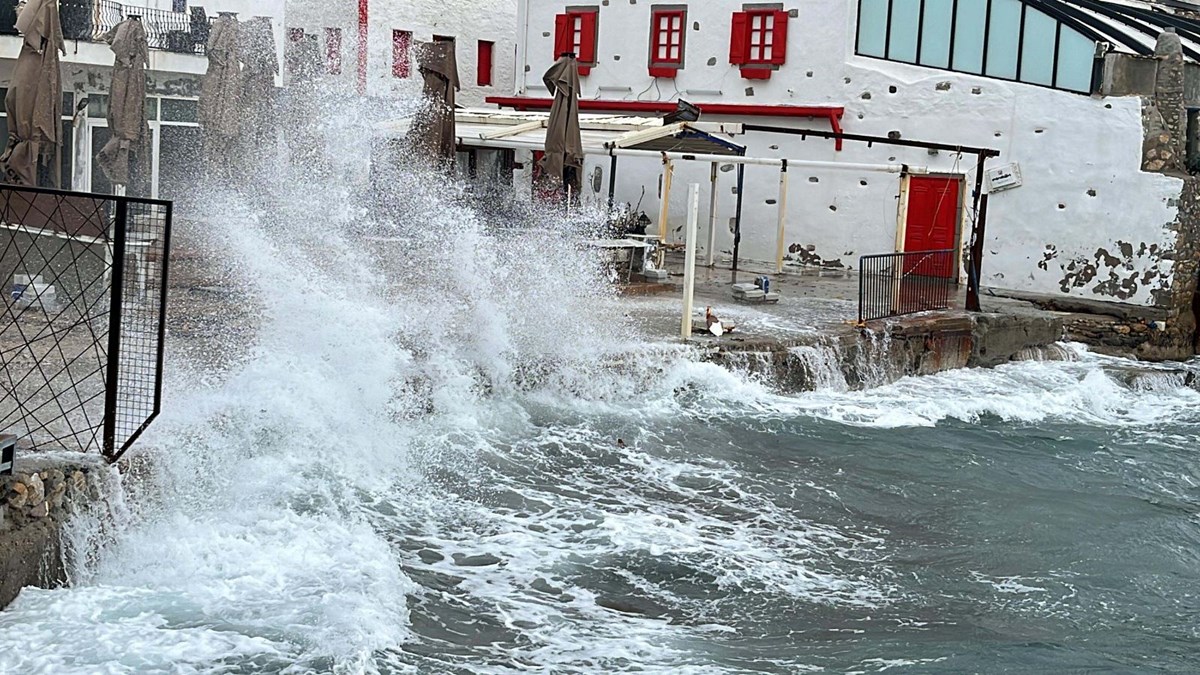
(521,50)
(363,32)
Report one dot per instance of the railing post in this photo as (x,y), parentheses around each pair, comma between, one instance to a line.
(689,259)
(116,307)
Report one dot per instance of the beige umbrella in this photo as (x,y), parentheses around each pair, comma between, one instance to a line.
(34,100)
(564,147)
(129,140)
(260,66)
(221,93)
(433,133)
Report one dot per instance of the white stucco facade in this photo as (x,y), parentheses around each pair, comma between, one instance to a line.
(1084,202)
(468,23)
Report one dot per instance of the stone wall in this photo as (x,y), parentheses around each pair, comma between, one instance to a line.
(1164,151)
(35,502)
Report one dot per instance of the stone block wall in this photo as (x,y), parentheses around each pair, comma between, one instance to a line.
(35,502)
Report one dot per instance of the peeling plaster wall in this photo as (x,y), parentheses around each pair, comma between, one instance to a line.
(468,22)
(1084,204)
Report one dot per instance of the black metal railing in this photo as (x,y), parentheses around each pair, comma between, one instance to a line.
(896,284)
(81,339)
(91,20)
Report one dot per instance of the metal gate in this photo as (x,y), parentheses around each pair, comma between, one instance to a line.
(82,330)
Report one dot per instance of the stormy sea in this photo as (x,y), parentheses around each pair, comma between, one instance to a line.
(438,445)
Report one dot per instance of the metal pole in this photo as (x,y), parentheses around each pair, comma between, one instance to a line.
(112,379)
(665,208)
(612,182)
(664,212)
(712,217)
(782,231)
(689,260)
(737,218)
(976,261)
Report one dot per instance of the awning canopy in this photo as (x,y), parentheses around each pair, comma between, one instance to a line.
(601,134)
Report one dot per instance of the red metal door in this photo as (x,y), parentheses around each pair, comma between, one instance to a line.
(933,217)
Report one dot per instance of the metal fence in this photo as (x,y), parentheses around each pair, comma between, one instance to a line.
(81,337)
(91,20)
(895,284)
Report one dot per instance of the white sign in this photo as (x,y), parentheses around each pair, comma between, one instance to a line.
(1004,178)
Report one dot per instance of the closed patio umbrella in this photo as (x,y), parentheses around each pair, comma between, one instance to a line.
(221,93)
(260,66)
(34,100)
(563,162)
(126,155)
(433,133)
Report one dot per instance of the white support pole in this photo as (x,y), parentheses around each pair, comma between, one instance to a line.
(783,206)
(712,217)
(689,260)
(664,210)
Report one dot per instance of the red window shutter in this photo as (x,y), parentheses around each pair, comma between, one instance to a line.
(401,54)
(779,39)
(562,34)
(587,46)
(484,64)
(739,39)
(333,51)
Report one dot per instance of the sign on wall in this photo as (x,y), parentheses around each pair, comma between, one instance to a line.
(1004,178)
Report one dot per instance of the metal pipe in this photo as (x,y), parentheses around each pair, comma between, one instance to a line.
(112,377)
(689,259)
(976,249)
(612,183)
(771,161)
(712,216)
(737,219)
(781,234)
(664,210)
(862,138)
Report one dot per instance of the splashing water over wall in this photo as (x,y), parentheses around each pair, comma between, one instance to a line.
(435,445)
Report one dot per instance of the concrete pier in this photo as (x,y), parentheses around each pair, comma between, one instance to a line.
(810,340)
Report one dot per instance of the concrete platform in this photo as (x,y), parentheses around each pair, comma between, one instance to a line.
(811,339)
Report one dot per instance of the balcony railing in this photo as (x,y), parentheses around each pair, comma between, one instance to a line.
(91,20)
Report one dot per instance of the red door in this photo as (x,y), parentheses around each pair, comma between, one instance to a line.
(933,217)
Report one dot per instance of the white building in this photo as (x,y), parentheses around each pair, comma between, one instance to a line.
(1037,80)
(382,65)
(176,32)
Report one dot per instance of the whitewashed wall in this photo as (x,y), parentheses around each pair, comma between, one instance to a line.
(468,22)
(1084,197)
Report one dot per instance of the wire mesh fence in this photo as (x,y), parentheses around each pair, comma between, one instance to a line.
(896,284)
(81,336)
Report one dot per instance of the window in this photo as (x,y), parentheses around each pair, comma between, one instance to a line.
(295,34)
(443,38)
(333,51)
(667,32)
(484,63)
(576,32)
(179,6)
(1004,39)
(758,42)
(401,54)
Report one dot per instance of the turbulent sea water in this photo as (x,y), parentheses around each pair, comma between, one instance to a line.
(416,464)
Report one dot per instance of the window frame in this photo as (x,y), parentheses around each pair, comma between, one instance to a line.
(333,51)
(485,55)
(585,46)
(402,41)
(667,67)
(759,40)
(1062,25)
